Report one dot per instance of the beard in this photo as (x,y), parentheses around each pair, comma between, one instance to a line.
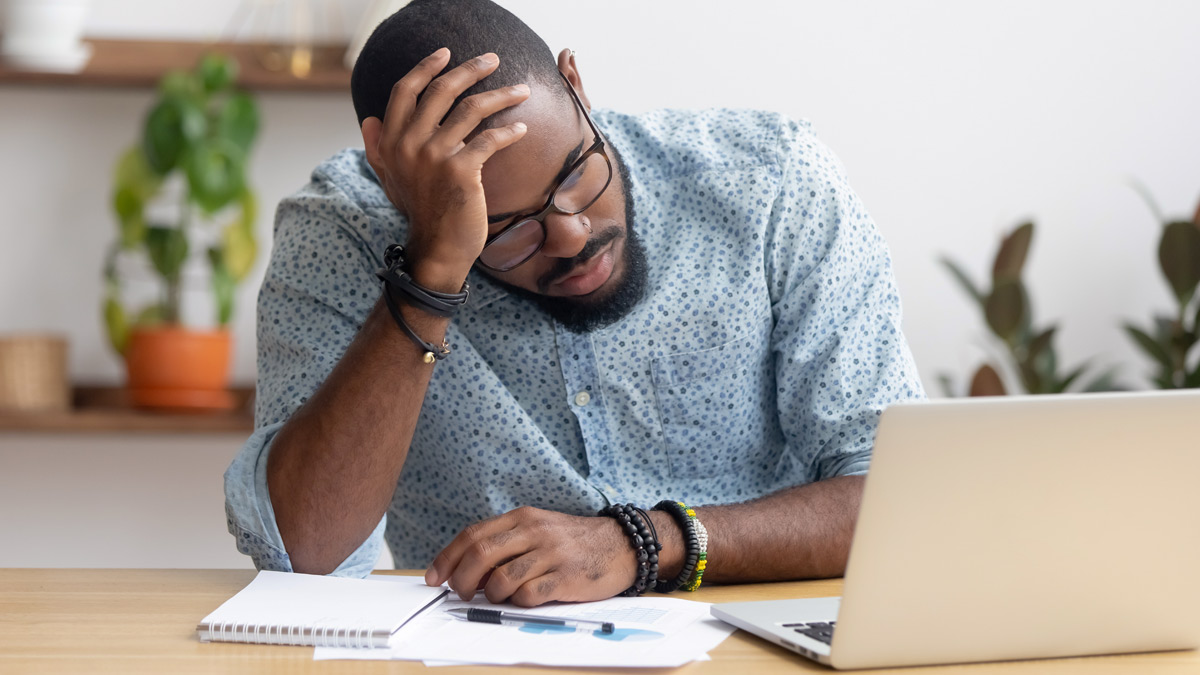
(585,314)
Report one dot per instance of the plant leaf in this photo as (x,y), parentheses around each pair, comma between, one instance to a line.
(1144,193)
(224,286)
(1005,309)
(238,250)
(1067,381)
(171,127)
(237,120)
(1030,378)
(134,173)
(131,218)
(1106,381)
(963,279)
(946,382)
(1149,345)
(986,382)
(217,71)
(152,315)
(116,325)
(1193,379)
(1179,258)
(168,249)
(1010,259)
(1040,342)
(214,172)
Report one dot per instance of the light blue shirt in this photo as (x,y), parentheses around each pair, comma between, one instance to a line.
(766,346)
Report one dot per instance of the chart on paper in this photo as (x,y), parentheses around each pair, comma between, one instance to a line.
(649,632)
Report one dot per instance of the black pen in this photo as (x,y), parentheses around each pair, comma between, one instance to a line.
(482,615)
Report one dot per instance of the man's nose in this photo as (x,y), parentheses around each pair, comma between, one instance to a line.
(565,235)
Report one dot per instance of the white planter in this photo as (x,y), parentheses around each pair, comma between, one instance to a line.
(45,34)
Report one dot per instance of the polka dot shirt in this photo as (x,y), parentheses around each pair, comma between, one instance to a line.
(766,346)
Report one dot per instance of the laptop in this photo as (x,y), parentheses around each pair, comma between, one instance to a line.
(1013,528)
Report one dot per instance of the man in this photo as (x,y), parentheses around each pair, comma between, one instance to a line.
(674,306)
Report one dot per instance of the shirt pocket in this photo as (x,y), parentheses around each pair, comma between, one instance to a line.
(716,407)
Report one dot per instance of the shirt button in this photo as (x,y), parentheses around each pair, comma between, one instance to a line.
(582,398)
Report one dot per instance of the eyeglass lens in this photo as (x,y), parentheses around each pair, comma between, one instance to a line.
(574,194)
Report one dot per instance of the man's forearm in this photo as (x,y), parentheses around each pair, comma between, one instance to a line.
(797,533)
(334,466)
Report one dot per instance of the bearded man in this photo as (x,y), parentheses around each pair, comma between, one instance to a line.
(615,353)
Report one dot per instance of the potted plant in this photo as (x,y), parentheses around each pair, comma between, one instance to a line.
(1025,350)
(190,165)
(1172,338)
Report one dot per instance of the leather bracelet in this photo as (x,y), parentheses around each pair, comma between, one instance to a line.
(432,352)
(395,275)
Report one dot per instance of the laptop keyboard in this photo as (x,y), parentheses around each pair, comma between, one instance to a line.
(821,631)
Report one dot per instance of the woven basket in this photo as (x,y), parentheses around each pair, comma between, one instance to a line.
(33,373)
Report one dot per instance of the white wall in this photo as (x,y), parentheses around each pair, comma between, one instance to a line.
(955,121)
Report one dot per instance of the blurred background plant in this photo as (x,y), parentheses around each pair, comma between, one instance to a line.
(1170,339)
(199,132)
(1026,352)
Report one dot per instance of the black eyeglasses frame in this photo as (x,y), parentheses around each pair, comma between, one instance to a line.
(597,147)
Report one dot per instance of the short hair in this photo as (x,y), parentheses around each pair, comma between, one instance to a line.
(468,28)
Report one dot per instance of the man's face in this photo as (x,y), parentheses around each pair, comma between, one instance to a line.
(589,260)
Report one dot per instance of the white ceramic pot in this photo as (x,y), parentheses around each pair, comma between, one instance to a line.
(45,34)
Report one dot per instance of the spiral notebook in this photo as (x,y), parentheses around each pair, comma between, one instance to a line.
(281,608)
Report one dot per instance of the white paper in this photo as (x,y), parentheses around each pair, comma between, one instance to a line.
(651,632)
(277,604)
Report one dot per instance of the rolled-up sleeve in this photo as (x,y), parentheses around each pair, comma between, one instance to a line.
(319,288)
(841,357)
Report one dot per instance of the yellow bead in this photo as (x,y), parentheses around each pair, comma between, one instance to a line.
(428,358)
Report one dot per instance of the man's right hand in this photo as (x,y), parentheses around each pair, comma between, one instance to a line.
(428,169)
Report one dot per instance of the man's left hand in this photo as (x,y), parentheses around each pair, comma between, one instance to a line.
(531,556)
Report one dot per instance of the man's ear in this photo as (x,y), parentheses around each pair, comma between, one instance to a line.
(566,66)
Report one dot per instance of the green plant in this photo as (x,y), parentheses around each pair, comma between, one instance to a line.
(1008,314)
(198,132)
(1170,342)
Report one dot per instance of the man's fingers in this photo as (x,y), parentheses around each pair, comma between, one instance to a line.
(481,556)
(489,142)
(440,94)
(539,590)
(403,99)
(448,559)
(510,576)
(472,110)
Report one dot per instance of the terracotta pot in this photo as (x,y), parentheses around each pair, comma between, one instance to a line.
(176,367)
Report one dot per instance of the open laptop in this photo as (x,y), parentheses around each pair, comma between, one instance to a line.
(1013,528)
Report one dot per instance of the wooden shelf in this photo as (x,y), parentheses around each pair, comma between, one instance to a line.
(140,64)
(107,409)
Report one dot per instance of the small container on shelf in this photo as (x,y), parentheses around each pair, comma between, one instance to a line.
(33,373)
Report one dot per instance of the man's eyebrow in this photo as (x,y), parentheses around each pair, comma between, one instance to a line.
(572,156)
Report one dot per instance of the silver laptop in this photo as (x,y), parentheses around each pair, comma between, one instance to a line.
(1013,528)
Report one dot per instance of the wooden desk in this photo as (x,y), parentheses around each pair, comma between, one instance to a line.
(144,621)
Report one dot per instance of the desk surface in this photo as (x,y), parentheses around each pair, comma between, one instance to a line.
(144,621)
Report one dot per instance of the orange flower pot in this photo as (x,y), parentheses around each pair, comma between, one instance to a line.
(176,367)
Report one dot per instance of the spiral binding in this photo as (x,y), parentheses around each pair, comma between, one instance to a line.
(317,635)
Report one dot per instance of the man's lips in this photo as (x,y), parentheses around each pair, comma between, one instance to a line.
(588,276)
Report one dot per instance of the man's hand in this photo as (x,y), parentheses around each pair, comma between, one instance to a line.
(530,556)
(428,169)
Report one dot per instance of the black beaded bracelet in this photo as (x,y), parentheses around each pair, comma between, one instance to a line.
(645,545)
(691,543)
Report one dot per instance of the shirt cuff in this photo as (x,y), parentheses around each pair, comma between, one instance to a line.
(251,518)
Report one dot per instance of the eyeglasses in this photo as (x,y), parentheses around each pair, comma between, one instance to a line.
(584,183)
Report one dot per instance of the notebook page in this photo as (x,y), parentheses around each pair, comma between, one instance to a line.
(294,605)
